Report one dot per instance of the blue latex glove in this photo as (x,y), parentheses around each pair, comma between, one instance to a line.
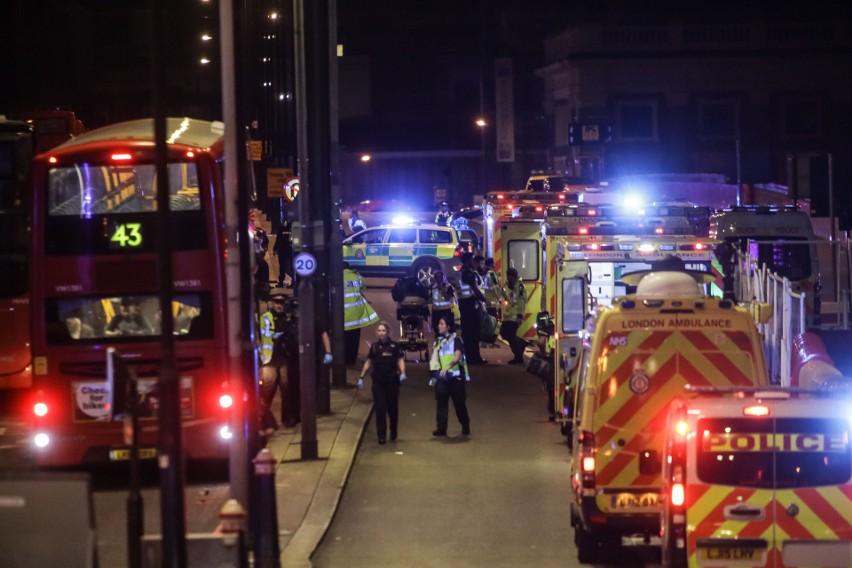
(326,359)
(432,382)
(402,377)
(360,383)
(277,335)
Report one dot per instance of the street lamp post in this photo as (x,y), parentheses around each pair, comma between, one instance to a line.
(482,124)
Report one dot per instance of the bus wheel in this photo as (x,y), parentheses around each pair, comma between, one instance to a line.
(425,271)
(587,545)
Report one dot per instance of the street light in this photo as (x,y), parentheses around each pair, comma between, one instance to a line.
(481,123)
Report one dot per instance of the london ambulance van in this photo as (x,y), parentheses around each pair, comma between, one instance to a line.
(639,354)
(758,478)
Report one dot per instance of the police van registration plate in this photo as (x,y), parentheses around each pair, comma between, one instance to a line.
(121,455)
(723,556)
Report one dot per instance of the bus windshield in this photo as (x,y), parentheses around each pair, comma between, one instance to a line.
(90,189)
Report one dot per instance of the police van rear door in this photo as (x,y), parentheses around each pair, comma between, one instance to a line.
(813,480)
(731,510)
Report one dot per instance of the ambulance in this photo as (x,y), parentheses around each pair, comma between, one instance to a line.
(758,477)
(636,356)
(584,272)
(779,237)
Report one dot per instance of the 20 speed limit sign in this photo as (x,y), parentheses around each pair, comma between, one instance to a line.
(304,264)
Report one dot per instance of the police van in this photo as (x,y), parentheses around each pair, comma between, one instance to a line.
(404,250)
(758,477)
(637,356)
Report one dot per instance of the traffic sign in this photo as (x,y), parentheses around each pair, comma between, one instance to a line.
(304,264)
(291,189)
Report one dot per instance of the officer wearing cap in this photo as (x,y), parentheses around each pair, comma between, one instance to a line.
(444,215)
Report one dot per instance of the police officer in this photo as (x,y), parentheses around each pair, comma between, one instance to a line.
(357,312)
(443,297)
(273,361)
(513,315)
(444,215)
(386,359)
(448,374)
(470,296)
(355,222)
(491,287)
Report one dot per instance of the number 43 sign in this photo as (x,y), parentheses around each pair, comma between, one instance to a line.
(304,264)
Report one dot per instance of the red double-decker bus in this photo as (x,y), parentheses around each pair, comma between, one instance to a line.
(95,286)
(16,154)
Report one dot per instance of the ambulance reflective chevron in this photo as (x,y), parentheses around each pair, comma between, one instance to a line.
(636,356)
(758,478)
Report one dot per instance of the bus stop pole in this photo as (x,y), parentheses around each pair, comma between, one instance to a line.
(307,366)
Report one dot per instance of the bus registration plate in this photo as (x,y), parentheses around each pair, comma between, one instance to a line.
(124,454)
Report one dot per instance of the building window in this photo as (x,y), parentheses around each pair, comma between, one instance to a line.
(801,117)
(637,121)
(718,120)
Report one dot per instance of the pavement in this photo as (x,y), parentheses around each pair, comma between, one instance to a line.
(308,491)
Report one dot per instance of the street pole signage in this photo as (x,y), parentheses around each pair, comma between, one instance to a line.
(304,264)
(276,178)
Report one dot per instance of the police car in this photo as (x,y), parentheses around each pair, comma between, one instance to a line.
(757,477)
(405,250)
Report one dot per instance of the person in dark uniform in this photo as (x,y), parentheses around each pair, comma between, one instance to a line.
(448,373)
(386,359)
(470,300)
(444,216)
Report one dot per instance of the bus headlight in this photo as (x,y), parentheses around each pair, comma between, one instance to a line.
(225,433)
(41,440)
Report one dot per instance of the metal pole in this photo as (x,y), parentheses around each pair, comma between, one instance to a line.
(306,288)
(238,463)
(739,174)
(835,257)
(335,242)
(172,514)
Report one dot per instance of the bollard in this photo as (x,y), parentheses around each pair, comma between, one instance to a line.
(232,522)
(267,552)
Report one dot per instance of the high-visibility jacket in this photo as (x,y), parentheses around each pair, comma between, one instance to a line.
(267,328)
(516,300)
(439,302)
(465,289)
(443,353)
(357,313)
(491,288)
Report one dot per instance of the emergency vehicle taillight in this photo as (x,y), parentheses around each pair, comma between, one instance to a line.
(699,246)
(583,230)
(40,409)
(659,230)
(677,495)
(756,410)
(561,197)
(681,428)
(587,458)
(500,196)
(121,157)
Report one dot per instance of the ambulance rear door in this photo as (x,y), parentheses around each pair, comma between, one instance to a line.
(521,248)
